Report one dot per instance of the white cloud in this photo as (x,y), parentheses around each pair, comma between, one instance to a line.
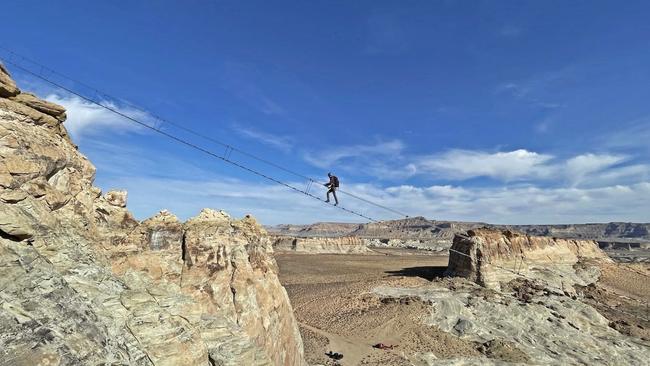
(618,175)
(387,161)
(85,118)
(536,90)
(355,154)
(283,143)
(579,167)
(187,187)
(511,205)
(515,89)
(631,135)
(524,204)
(505,166)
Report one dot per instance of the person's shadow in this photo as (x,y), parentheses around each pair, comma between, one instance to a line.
(427,272)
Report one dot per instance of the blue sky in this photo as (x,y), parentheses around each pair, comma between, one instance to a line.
(505,112)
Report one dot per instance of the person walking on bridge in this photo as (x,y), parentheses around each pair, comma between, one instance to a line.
(333,185)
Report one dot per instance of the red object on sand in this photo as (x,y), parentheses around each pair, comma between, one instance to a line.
(384,346)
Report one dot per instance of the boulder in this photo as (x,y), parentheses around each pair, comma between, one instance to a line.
(116,198)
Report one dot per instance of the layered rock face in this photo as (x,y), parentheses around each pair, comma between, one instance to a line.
(345,244)
(488,257)
(82,282)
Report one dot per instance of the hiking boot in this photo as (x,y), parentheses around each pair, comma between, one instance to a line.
(328,201)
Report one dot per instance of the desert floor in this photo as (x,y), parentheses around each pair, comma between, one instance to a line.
(333,303)
(330,294)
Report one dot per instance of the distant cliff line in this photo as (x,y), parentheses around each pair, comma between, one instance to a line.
(420,228)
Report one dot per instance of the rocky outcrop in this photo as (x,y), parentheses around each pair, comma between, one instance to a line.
(432,245)
(532,294)
(8,87)
(489,257)
(317,245)
(116,198)
(546,327)
(83,283)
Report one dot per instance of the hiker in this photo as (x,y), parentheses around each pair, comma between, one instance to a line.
(333,185)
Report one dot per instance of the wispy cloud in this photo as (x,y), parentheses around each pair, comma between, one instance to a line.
(526,92)
(282,143)
(580,167)
(389,161)
(85,118)
(525,204)
(631,135)
(353,155)
(587,169)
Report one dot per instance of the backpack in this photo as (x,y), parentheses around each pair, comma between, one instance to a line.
(335,181)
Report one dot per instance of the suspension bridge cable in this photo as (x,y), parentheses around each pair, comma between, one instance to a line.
(185,142)
(195,133)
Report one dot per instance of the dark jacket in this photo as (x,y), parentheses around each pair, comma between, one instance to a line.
(334,181)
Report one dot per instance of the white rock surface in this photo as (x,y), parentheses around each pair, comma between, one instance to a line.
(551,329)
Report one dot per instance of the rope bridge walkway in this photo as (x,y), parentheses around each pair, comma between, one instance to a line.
(39,71)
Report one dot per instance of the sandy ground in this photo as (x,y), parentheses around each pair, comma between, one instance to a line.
(332,300)
(622,295)
(330,294)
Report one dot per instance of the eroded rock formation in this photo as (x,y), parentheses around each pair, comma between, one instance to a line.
(83,282)
(529,293)
(488,257)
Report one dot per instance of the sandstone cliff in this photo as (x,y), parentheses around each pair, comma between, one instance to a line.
(84,283)
(346,244)
(489,257)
